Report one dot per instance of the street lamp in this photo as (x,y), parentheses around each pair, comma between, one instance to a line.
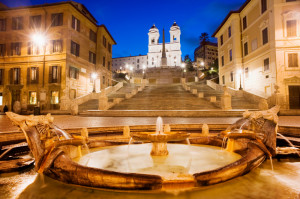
(94,77)
(39,40)
(183,69)
(240,73)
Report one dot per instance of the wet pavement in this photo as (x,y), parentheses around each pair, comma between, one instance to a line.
(68,121)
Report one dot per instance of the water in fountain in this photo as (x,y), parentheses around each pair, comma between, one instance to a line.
(61,133)
(289,142)
(159,126)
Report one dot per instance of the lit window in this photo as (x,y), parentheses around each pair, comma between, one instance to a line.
(54,97)
(57,46)
(32,97)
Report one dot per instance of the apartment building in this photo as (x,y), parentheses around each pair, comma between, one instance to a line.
(48,54)
(205,55)
(259,50)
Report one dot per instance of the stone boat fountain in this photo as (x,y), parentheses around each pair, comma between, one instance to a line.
(251,139)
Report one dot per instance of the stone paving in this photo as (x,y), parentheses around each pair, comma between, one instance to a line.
(68,121)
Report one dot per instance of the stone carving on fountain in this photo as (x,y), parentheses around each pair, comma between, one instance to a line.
(253,137)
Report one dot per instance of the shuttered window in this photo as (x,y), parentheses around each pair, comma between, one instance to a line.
(57,19)
(75,48)
(54,74)
(1,76)
(291,28)
(33,75)
(293,59)
(75,24)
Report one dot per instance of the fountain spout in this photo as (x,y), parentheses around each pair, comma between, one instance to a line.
(159,126)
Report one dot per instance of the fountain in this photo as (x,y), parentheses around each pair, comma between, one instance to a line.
(160,138)
(250,140)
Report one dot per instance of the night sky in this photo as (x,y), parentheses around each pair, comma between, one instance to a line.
(130,21)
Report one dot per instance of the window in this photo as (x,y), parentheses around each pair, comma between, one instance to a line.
(103,62)
(54,74)
(229,31)
(108,65)
(244,22)
(290,0)
(56,46)
(75,24)
(54,97)
(221,38)
(74,72)
(223,79)
(293,59)
(2,24)
(104,41)
(17,23)
(15,75)
(230,55)
(265,36)
(109,47)
(247,72)
(32,49)
(92,57)
(222,59)
(2,50)
(266,64)
(103,80)
(231,76)
(263,6)
(57,19)
(16,48)
(254,44)
(291,28)
(1,99)
(32,75)
(35,21)
(32,97)
(1,76)
(93,36)
(75,48)
(245,48)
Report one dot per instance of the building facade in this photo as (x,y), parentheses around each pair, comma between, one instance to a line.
(259,50)
(131,63)
(205,55)
(173,48)
(48,53)
(153,57)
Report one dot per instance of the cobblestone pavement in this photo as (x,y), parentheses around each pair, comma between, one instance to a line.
(68,121)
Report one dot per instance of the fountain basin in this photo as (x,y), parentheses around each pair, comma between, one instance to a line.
(164,137)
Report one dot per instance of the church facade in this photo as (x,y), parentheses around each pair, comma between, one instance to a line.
(154,55)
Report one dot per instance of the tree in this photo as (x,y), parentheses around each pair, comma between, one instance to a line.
(188,63)
(204,37)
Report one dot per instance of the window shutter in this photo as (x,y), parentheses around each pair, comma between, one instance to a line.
(73,22)
(37,75)
(11,80)
(2,77)
(77,49)
(78,25)
(28,75)
(50,74)
(58,74)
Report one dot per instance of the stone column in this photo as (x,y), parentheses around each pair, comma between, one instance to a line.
(103,101)
(226,100)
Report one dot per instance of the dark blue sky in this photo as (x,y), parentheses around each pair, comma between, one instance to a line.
(130,21)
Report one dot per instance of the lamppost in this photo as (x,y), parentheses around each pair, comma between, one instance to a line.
(240,73)
(183,69)
(94,77)
(39,40)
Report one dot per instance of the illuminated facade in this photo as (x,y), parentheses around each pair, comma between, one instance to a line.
(258,48)
(48,53)
(205,55)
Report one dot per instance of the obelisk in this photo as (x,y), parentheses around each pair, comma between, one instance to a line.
(163,56)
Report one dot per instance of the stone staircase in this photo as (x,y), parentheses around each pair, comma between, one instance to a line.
(236,102)
(127,91)
(164,97)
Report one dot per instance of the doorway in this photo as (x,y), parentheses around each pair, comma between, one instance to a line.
(294,97)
